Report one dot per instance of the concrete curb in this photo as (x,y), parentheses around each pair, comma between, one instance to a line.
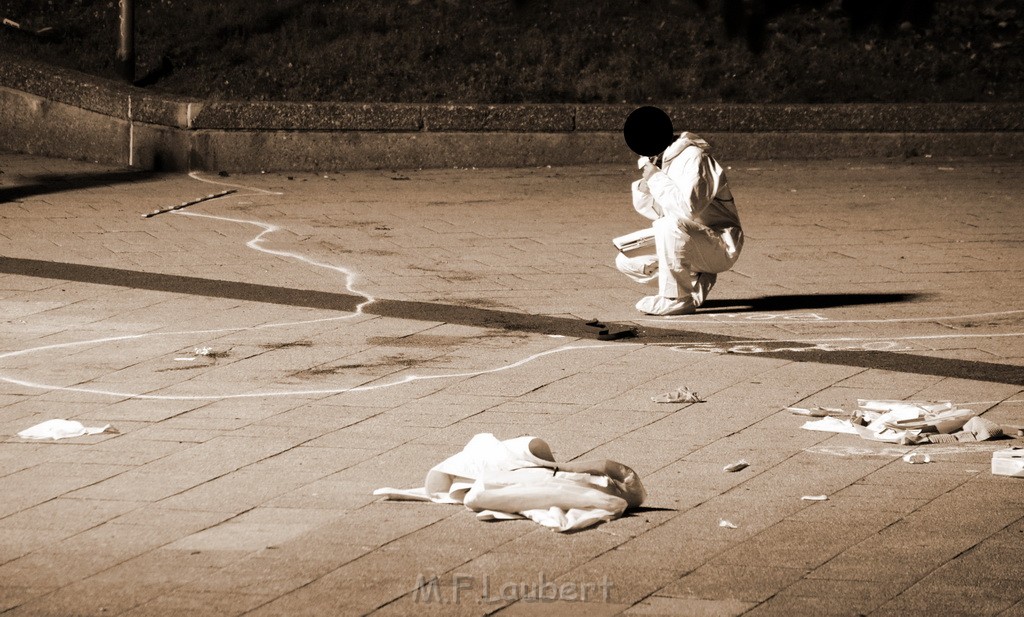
(56,112)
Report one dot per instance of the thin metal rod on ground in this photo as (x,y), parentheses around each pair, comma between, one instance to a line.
(190,203)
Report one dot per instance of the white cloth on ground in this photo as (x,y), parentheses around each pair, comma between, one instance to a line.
(518,478)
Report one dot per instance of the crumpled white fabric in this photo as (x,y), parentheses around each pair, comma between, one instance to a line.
(518,478)
(61,429)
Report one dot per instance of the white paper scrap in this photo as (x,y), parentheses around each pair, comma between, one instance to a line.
(727,524)
(815,498)
(802,411)
(62,429)
(830,425)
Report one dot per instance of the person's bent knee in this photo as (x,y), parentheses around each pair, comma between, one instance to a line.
(623,264)
(640,269)
(630,265)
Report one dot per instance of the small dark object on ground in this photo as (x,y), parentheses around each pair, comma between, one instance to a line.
(610,333)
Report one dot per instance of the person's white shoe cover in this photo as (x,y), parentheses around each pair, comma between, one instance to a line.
(658,305)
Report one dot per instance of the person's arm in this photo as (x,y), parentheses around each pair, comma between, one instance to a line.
(686,188)
(643,202)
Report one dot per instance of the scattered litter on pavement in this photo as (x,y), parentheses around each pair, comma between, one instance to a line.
(815,412)
(979,429)
(63,429)
(196,353)
(815,498)
(830,425)
(610,333)
(737,466)
(519,478)
(679,395)
(800,411)
(727,524)
(1008,462)
(910,423)
(916,458)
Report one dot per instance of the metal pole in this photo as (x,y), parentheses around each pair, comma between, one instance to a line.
(126,41)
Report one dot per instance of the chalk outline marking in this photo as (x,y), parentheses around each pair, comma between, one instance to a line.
(351,277)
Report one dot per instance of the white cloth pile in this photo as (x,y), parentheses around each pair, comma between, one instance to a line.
(519,478)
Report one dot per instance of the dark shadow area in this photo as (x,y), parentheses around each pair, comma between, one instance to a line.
(286,296)
(804,302)
(509,320)
(752,19)
(164,69)
(59,183)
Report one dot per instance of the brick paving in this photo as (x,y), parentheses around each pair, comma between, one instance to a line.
(362,326)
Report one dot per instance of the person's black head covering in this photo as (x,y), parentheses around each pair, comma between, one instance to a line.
(648,131)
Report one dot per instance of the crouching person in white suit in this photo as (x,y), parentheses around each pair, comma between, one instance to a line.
(696,226)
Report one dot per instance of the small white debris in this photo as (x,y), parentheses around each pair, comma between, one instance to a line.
(815,497)
(679,395)
(737,466)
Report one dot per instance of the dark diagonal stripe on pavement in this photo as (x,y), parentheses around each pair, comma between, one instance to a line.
(496,319)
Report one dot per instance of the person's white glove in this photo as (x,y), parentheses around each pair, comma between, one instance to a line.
(649,170)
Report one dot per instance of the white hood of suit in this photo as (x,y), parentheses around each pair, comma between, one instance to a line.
(684,141)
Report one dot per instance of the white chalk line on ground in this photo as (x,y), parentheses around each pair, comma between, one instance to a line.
(808,318)
(195,176)
(310,392)
(350,278)
(1015,401)
(898,451)
(762,346)
(255,244)
(861,339)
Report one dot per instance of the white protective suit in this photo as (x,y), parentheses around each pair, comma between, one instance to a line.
(518,478)
(696,227)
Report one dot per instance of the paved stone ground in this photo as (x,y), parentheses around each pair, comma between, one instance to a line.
(363,326)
